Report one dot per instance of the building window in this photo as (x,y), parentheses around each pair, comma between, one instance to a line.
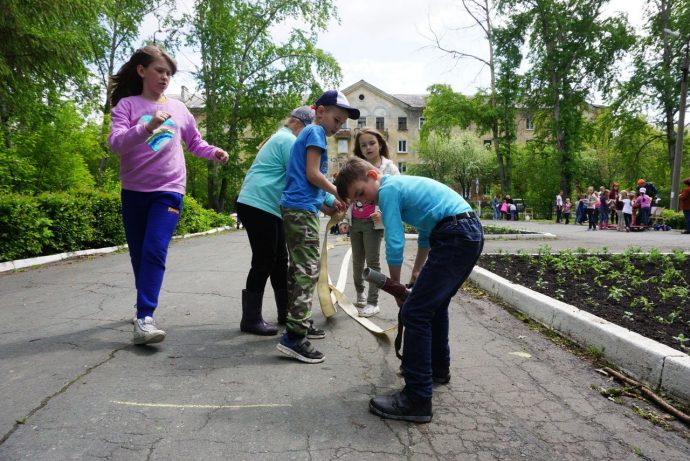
(402,146)
(361,122)
(402,167)
(379,123)
(402,123)
(529,123)
(342,146)
(361,97)
(421,122)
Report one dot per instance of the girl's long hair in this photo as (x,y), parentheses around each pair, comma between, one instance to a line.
(383,146)
(127,81)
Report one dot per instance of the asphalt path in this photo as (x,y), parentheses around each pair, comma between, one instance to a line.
(74,387)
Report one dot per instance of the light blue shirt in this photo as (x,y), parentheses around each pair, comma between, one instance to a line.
(264,183)
(299,193)
(420,202)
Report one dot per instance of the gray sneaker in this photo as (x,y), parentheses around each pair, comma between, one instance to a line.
(146,332)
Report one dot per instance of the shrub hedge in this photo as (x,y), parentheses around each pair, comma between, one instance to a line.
(53,223)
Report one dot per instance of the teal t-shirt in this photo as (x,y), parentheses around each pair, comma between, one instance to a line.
(420,202)
(264,183)
(299,193)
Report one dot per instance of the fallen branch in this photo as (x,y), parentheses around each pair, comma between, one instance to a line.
(648,393)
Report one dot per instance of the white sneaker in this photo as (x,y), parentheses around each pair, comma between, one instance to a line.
(361,299)
(146,332)
(368,310)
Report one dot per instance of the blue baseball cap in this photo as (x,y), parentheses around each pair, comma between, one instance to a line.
(338,99)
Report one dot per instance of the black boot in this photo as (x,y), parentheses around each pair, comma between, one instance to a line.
(404,406)
(282,305)
(252,322)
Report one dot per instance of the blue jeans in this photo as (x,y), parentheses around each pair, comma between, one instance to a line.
(150,219)
(686,213)
(455,248)
(644,216)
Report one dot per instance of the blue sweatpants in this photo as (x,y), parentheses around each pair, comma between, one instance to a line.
(455,249)
(150,219)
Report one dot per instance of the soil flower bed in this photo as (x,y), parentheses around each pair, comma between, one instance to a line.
(647,293)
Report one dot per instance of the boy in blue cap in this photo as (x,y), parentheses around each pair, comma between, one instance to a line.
(450,240)
(304,195)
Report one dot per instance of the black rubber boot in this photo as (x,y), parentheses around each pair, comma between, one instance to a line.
(282,305)
(252,321)
(403,406)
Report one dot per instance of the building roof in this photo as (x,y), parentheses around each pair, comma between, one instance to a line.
(413,101)
(191,100)
(417,101)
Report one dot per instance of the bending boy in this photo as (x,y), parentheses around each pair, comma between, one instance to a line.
(450,241)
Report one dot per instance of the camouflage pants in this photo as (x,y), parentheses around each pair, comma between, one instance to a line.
(302,239)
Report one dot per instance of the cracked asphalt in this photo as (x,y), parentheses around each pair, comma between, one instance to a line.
(73,386)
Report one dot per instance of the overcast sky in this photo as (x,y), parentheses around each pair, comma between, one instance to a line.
(389,44)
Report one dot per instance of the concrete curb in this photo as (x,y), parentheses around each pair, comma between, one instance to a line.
(653,363)
(40,260)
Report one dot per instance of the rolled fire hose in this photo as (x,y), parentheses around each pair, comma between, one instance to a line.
(328,293)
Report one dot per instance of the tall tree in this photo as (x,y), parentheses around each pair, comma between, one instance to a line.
(654,86)
(573,52)
(481,12)
(249,79)
(45,48)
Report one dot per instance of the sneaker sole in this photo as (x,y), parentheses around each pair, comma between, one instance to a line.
(289,352)
(412,419)
(150,340)
(360,314)
(314,336)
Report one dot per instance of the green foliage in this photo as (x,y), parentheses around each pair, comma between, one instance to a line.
(56,223)
(45,48)
(456,160)
(24,228)
(106,219)
(445,109)
(538,190)
(653,88)
(195,218)
(51,151)
(71,222)
(572,47)
(675,219)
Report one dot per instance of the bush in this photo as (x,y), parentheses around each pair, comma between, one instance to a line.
(24,228)
(56,223)
(195,218)
(71,221)
(106,215)
(675,219)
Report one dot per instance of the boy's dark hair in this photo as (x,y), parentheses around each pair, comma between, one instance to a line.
(355,169)
(383,146)
(127,81)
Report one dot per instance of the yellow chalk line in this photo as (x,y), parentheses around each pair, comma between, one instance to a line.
(215,407)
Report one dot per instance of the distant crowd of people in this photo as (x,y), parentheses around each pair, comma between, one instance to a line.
(505,209)
(611,208)
(624,210)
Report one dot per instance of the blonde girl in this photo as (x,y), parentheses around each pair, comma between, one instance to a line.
(366,228)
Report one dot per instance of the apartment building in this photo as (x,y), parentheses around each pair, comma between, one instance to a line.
(397,116)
